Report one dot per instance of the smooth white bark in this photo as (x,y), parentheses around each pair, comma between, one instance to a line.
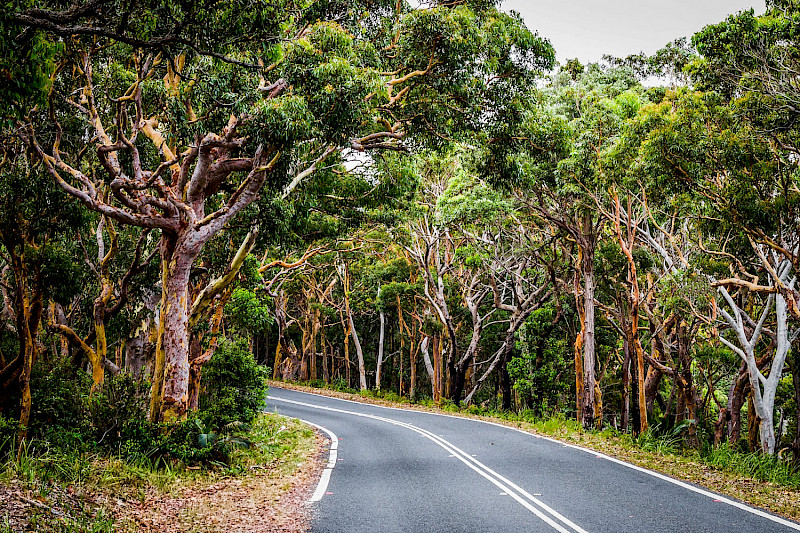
(423,347)
(763,387)
(381,339)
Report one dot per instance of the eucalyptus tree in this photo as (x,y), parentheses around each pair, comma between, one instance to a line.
(192,112)
(522,278)
(552,162)
(703,163)
(750,62)
(748,331)
(622,265)
(451,285)
(37,224)
(452,209)
(753,60)
(509,260)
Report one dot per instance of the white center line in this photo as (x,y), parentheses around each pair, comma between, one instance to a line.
(496,479)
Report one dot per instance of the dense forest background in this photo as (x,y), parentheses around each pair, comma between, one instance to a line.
(416,201)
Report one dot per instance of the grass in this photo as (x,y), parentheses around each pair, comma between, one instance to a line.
(760,467)
(47,489)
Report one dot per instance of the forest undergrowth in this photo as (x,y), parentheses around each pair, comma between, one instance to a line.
(49,489)
(94,462)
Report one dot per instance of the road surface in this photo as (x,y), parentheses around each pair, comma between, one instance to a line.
(396,470)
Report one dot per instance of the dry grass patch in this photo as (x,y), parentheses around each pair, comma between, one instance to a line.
(263,489)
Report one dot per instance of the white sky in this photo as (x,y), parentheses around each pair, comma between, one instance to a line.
(587,29)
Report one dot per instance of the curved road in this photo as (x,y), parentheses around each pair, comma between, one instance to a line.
(395,470)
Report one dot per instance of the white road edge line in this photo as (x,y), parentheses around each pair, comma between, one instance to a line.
(470,462)
(717,497)
(322,486)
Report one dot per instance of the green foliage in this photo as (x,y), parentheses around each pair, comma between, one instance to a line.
(659,441)
(67,420)
(685,292)
(60,405)
(539,365)
(471,201)
(221,443)
(26,63)
(249,311)
(62,276)
(283,120)
(118,415)
(757,466)
(234,386)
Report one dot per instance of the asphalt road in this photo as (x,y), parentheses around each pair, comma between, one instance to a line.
(394,470)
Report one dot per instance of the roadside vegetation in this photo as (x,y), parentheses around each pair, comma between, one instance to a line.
(151,477)
(60,490)
(94,462)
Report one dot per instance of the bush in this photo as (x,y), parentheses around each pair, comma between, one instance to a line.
(113,419)
(118,414)
(234,387)
(67,419)
(59,405)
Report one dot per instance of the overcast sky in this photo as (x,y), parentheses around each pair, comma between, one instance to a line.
(587,29)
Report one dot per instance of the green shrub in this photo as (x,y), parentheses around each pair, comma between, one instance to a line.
(59,405)
(340,384)
(234,386)
(118,414)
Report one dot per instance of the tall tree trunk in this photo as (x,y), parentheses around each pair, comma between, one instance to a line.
(315,328)
(589,356)
(640,382)
(28,303)
(170,389)
(362,372)
(439,381)
(626,385)
(412,390)
(326,373)
(426,357)
(347,353)
(579,340)
(381,340)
